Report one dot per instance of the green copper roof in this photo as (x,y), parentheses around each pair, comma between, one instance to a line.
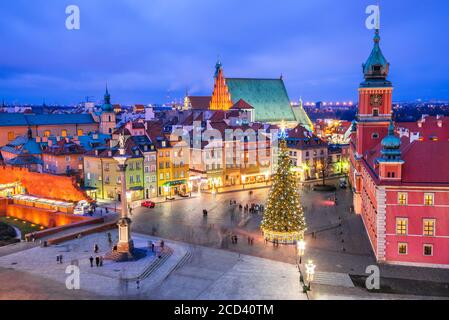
(302,118)
(376,67)
(107,106)
(268,97)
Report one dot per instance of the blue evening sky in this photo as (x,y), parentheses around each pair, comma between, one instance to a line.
(147,50)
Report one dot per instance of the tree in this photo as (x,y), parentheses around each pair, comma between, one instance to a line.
(284,214)
(323,166)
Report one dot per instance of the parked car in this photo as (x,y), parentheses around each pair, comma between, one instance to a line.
(148,204)
(343,185)
(184,195)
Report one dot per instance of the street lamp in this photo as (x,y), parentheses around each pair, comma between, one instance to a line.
(301,248)
(310,272)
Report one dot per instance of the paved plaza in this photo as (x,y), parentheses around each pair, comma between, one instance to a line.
(201,262)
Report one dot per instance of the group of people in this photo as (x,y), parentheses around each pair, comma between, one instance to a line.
(251,241)
(253,208)
(98,261)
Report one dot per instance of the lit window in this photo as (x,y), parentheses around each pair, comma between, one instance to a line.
(64,133)
(428,250)
(429,199)
(402,198)
(429,227)
(161,176)
(402,248)
(47,133)
(401,226)
(80,132)
(11,136)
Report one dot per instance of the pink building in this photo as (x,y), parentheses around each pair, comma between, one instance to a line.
(400,175)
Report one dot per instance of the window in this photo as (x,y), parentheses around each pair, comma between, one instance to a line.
(375,136)
(161,165)
(64,133)
(167,164)
(402,198)
(138,178)
(67,159)
(161,176)
(402,248)
(88,176)
(167,175)
(131,179)
(429,199)
(47,133)
(80,132)
(375,112)
(11,136)
(428,250)
(147,169)
(429,227)
(401,226)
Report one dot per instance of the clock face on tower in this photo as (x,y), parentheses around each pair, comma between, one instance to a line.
(376,100)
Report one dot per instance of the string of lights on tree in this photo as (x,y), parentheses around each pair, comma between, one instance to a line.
(284,215)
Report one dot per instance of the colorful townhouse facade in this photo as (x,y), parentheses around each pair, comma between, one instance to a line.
(102,178)
(401,189)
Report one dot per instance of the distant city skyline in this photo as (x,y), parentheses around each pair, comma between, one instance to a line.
(148,50)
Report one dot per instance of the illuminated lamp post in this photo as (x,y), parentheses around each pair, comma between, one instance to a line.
(301,247)
(310,273)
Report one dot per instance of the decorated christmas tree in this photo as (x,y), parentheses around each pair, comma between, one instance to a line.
(283,219)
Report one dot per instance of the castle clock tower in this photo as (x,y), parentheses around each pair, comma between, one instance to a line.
(374,115)
(375,101)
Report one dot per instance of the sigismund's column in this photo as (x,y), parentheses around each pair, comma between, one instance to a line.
(125,243)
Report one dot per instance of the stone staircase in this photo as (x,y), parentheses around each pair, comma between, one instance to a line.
(155,265)
(333,279)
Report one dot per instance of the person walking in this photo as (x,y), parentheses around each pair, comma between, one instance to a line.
(152,246)
(97,261)
(96,248)
(91,259)
(57,259)
(60,259)
(101,261)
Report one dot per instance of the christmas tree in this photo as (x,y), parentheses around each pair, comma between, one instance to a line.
(283,219)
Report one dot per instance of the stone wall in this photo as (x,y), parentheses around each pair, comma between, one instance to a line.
(43,217)
(44,185)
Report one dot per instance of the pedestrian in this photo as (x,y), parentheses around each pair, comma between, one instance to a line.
(91,259)
(101,261)
(97,261)
(57,258)
(138,284)
(96,248)
(60,259)
(252,241)
(107,210)
(109,238)
(152,246)
(162,244)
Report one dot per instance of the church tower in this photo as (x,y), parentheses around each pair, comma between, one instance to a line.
(221,98)
(375,101)
(107,116)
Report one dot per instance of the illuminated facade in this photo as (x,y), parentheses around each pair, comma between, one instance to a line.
(399,175)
